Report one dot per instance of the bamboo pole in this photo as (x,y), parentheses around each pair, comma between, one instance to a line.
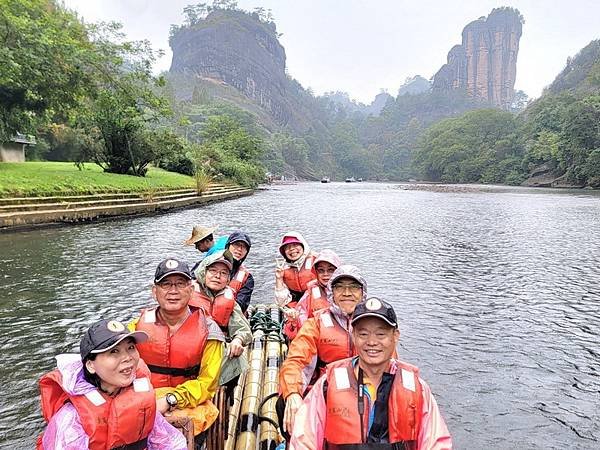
(248,421)
(269,434)
(234,412)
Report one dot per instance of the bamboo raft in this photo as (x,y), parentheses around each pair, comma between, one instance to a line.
(247,417)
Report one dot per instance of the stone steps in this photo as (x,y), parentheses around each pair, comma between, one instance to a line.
(14,214)
(102,200)
(103,196)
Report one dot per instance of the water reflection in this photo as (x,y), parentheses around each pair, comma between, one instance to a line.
(496,288)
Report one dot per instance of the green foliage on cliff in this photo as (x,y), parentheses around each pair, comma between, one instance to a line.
(558,134)
(581,73)
(563,126)
(563,132)
(479,147)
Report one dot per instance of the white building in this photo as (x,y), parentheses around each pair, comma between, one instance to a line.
(14,150)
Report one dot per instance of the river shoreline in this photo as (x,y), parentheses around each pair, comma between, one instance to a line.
(51,212)
(474,187)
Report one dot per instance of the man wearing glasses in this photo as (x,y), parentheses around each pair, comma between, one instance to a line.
(323,339)
(218,300)
(185,348)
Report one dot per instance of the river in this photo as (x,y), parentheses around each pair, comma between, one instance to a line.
(497,291)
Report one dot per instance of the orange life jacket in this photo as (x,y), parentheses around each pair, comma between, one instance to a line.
(334,342)
(173,359)
(297,279)
(316,298)
(240,278)
(123,421)
(343,423)
(219,309)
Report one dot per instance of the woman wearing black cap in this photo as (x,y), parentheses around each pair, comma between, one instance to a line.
(103,398)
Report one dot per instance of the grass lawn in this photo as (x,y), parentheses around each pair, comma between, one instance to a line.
(63,178)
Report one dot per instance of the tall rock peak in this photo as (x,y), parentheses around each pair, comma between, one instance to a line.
(236,48)
(485,64)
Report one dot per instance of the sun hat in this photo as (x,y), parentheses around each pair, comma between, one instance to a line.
(198,233)
(289,240)
(104,335)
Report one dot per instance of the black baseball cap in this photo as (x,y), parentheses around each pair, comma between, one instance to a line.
(172,266)
(373,307)
(104,335)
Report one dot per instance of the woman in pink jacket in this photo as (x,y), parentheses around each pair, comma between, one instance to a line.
(103,398)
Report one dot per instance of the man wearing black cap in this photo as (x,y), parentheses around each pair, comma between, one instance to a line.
(371,400)
(185,349)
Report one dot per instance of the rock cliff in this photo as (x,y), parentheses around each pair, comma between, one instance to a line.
(485,64)
(235,48)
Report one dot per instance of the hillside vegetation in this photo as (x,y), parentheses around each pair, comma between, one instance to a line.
(102,104)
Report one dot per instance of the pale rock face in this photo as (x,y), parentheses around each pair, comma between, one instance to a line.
(236,49)
(485,64)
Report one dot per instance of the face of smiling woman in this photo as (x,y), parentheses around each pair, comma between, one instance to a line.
(293,251)
(116,367)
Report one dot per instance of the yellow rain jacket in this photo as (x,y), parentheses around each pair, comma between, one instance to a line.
(194,396)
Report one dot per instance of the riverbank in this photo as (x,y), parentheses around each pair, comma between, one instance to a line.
(46,193)
(46,179)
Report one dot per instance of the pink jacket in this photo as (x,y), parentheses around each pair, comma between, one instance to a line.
(65,432)
(309,423)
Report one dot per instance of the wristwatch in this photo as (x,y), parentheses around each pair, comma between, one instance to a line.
(171,400)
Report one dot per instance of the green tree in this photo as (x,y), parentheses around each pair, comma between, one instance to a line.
(47,64)
(227,149)
(480,146)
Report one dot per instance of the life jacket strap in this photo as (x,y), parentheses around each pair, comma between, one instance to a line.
(176,371)
(142,444)
(366,446)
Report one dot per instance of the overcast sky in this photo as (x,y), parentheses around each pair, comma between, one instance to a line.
(363,46)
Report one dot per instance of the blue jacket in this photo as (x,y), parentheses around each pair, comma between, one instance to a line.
(217,246)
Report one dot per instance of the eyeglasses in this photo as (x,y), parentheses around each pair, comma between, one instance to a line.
(179,285)
(354,287)
(238,244)
(218,273)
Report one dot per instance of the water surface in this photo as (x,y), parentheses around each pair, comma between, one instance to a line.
(497,291)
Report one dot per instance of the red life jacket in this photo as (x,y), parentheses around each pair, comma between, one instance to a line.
(220,309)
(173,359)
(237,282)
(334,342)
(123,421)
(297,279)
(405,405)
(316,298)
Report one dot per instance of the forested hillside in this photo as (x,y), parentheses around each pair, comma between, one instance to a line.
(555,141)
(228,108)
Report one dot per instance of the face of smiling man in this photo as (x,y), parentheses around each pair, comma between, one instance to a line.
(375,341)
(173,293)
(347,292)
